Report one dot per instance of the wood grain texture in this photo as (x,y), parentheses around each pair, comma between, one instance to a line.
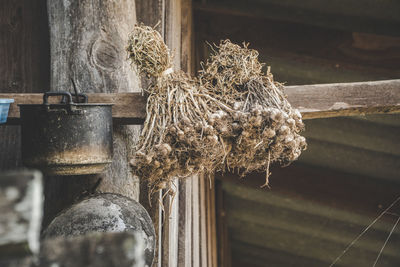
(203,221)
(152,13)
(172,37)
(185,223)
(187,37)
(24,68)
(213,224)
(366,16)
(128,108)
(303,54)
(88,41)
(196,221)
(223,243)
(313,101)
(332,100)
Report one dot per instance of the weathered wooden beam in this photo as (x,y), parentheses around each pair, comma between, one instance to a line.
(21,205)
(129,108)
(313,101)
(345,99)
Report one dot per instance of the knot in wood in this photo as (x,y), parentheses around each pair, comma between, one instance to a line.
(106,55)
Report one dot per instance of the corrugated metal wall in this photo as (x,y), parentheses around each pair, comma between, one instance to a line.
(351,170)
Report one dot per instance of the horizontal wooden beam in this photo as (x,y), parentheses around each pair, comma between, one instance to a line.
(345,99)
(128,108)
(313,101)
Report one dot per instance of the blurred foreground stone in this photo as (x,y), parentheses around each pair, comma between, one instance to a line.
(108,213)
(94,250)
(21,205)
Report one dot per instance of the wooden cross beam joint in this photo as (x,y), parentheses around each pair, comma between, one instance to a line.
(313,101)
(128,108)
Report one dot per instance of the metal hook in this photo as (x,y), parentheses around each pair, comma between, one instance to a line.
(76,91)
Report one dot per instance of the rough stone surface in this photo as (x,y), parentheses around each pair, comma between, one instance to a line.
(94,250)
(19,262)
(21,205)
(105,213)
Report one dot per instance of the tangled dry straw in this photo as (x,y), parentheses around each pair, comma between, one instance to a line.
(148,52)
(232,117)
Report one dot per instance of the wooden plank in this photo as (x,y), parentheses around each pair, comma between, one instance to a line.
(203,221)
(313,101)
(298,53)
(172,37)
(195,221)
(213,224)
(170,227)
(187,37)
(185,222)
(347,99)
(24,68)
(24,46)
(223,243)
(128,108)
(356,16)
(208,221)
(152,12)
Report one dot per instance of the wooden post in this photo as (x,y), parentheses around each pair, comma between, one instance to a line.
(152,13)
(183,233)
(87,40)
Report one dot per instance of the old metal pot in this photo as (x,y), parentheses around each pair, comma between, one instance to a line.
(66,138)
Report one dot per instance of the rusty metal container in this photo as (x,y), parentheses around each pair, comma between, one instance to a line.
(66,138)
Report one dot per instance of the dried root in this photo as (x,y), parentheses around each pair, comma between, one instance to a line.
(234,117)
(230,68)
(265,127)
(177,140)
